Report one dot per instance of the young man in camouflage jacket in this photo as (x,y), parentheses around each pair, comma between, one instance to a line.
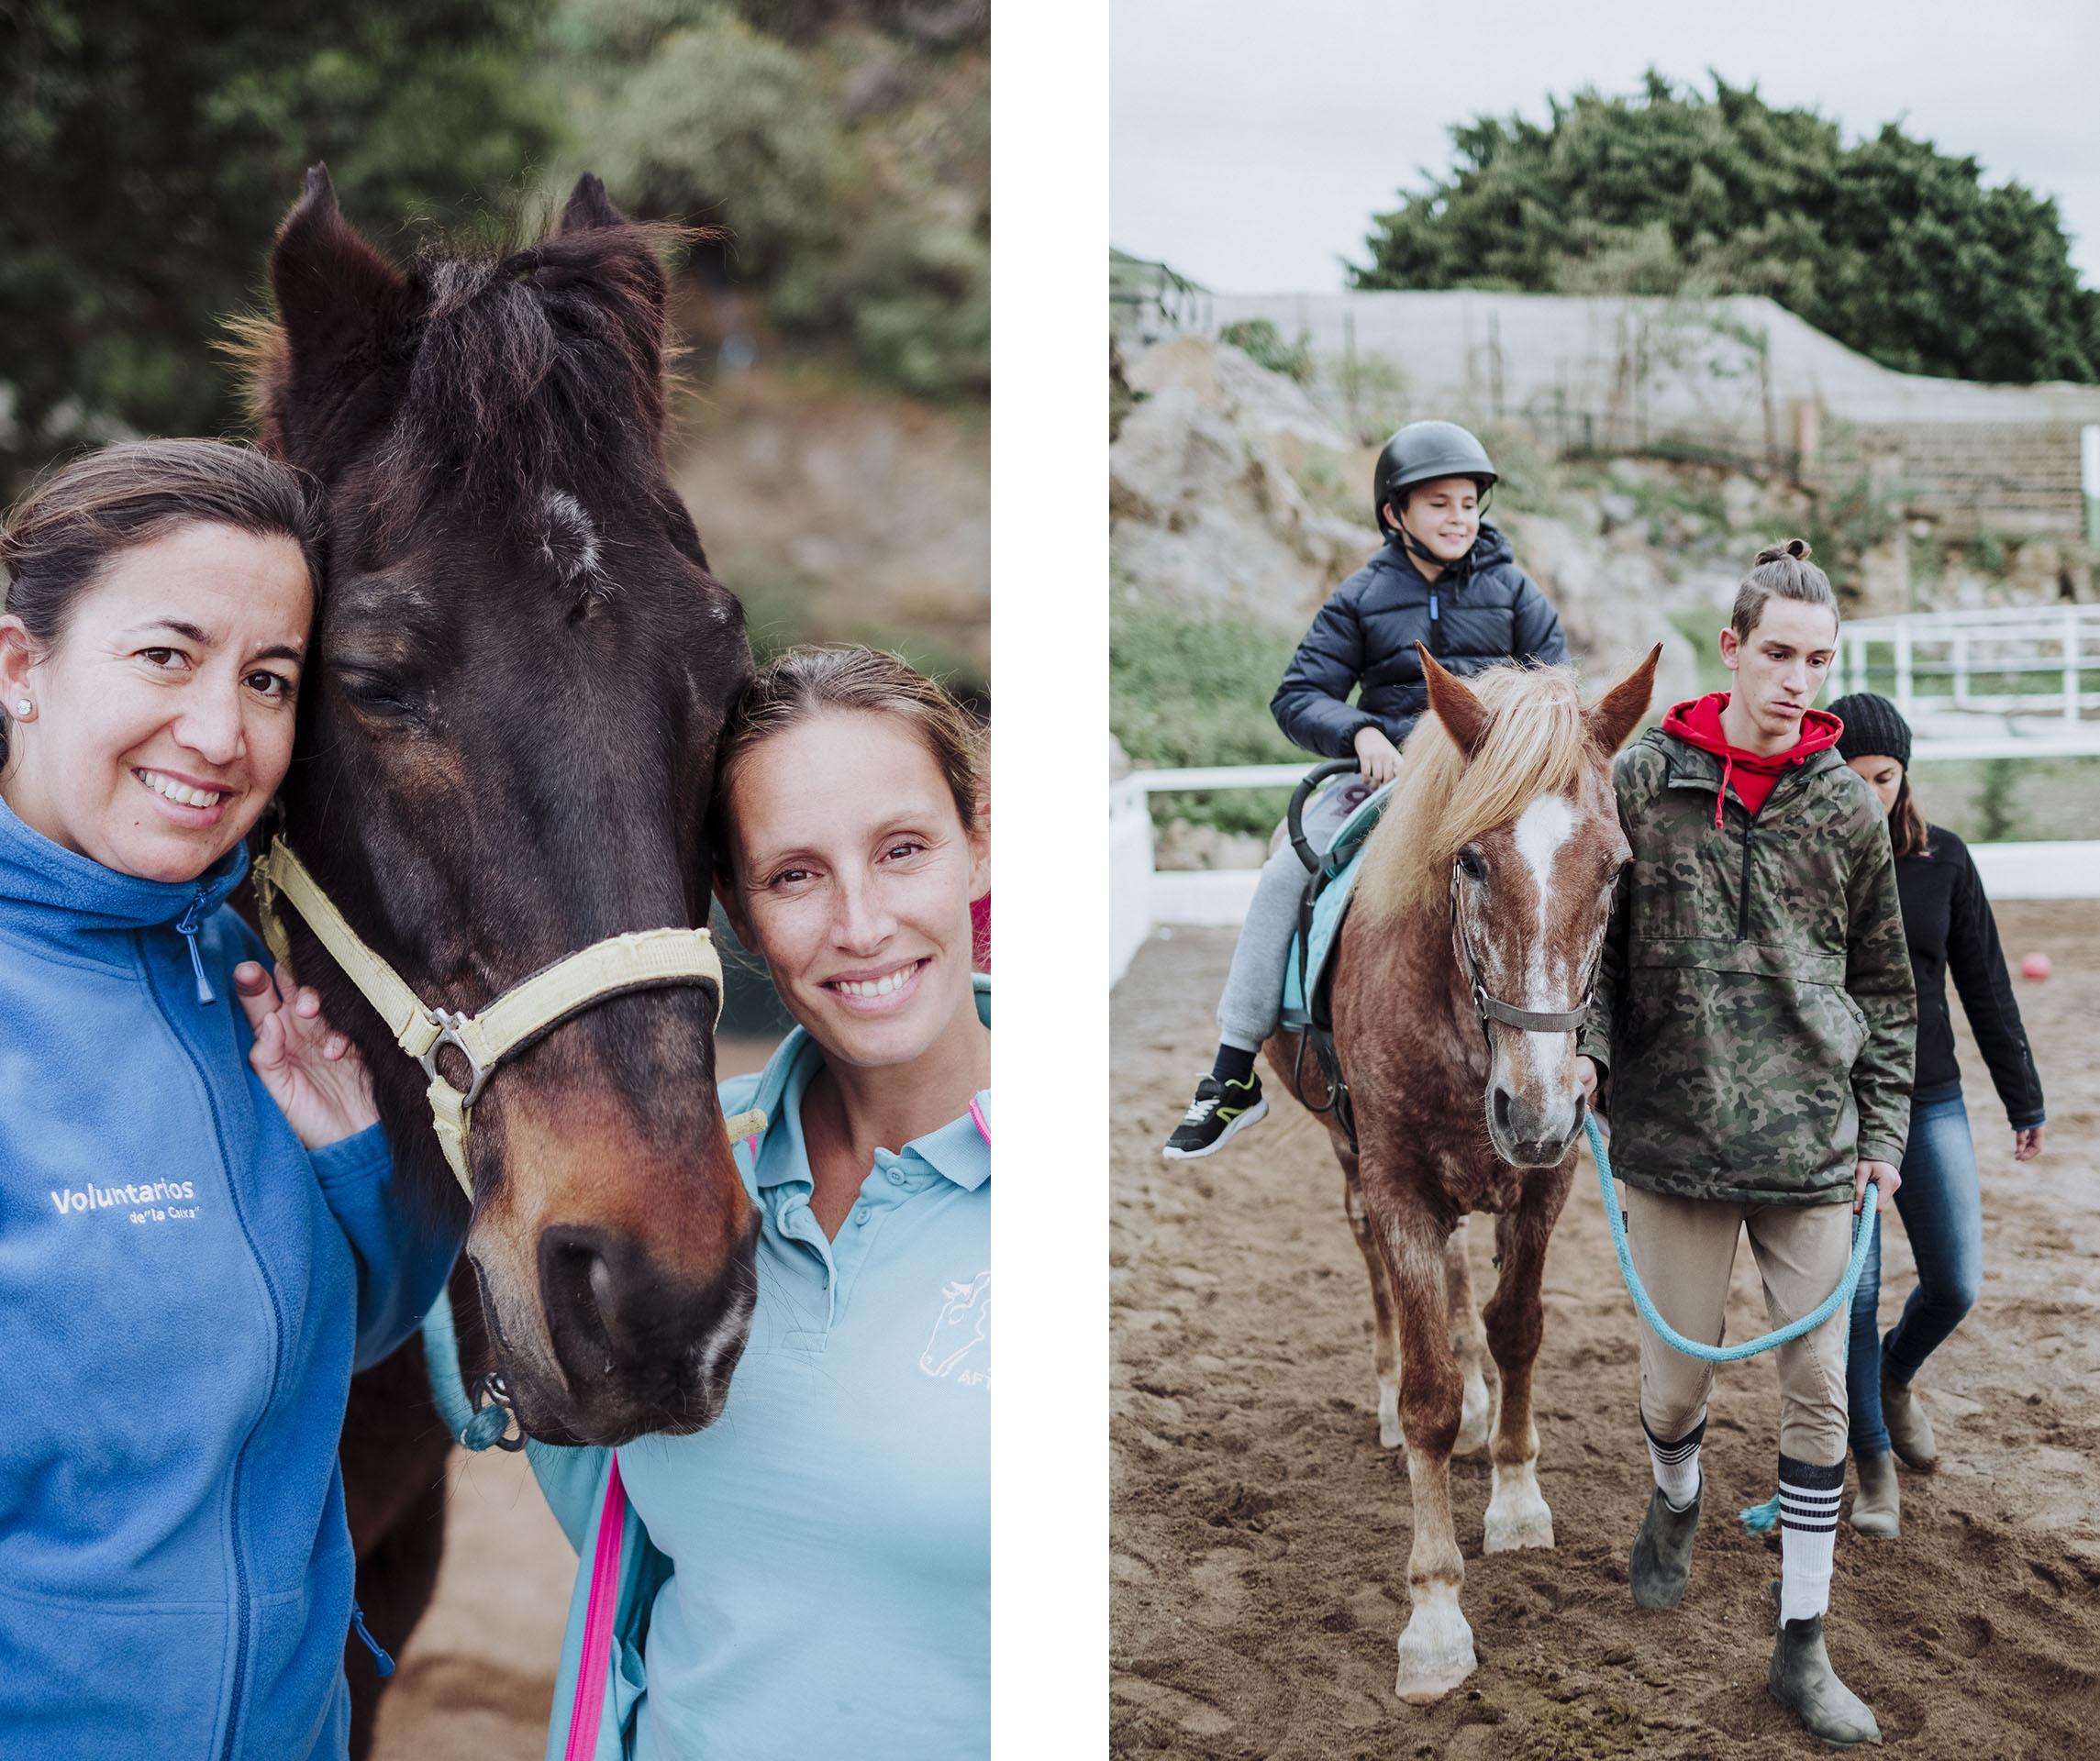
(1751,1043)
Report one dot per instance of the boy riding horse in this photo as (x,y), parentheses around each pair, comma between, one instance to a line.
(1446,580)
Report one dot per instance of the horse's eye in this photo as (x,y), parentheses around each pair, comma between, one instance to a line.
(1470,865)
(376,694)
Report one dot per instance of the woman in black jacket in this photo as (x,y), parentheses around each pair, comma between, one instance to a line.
(1950,929)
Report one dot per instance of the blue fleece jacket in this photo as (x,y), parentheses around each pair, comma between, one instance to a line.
(183,1292)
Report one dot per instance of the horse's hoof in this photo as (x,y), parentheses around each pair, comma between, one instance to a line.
(1516,1513)
(1521,1525)
(1475,1419)
(1436,1653)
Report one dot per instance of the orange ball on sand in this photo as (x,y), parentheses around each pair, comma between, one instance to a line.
(2035,966)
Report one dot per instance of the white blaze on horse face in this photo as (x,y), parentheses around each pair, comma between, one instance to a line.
(571,541)
(1541,832)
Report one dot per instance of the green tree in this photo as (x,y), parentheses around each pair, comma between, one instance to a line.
(844,152)
(149,152)
(1889,245)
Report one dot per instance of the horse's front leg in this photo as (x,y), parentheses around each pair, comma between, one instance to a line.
(1435,1648)
(1515,1321)
(1477,1413)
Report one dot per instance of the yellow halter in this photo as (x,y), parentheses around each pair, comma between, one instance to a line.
(636,960)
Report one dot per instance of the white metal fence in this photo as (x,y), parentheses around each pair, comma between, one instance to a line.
(2007,682)
(1142,897)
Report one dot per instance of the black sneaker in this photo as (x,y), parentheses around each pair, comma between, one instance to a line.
(1219,1111)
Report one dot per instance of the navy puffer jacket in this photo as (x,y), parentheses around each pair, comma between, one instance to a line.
(1484,610)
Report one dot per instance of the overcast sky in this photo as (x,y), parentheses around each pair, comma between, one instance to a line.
(1251,143)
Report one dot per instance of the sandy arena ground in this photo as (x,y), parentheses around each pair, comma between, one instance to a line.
(476,1679)
(1261,1534)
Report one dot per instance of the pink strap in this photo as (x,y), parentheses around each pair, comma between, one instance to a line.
(590,1699)
(983,1124)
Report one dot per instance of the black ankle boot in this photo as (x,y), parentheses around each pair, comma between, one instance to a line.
(1662,1563)
(1801,1676)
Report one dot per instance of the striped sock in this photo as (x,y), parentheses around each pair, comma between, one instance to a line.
(1808,1498)
(1677,1464)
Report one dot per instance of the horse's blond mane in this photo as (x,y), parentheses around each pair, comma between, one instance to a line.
(1537,743)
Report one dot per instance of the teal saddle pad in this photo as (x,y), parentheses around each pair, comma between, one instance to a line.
(1335,880)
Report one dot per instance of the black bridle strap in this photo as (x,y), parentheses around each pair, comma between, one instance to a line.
(1532,1021)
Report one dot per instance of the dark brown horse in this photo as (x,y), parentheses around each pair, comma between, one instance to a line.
(506,750)
(1483,895)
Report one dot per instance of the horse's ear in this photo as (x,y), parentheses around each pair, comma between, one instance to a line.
(332,288)
(1618,711)
(1463,716)
(589,207)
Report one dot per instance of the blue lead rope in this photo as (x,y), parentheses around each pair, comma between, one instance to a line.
(1759,1518)
(442,1351)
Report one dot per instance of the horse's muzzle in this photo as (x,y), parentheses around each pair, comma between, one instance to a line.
(639,1350)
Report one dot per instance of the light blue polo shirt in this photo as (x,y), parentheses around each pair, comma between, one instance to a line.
(831,1531)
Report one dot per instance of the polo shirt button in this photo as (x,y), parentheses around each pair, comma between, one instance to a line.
(896,1176)
(860,1217)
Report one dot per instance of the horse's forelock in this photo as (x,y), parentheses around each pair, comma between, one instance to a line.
(1537,744)
(529,367)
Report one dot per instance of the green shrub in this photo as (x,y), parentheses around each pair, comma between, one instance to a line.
(1194,690)
(723,126)
(1263,344)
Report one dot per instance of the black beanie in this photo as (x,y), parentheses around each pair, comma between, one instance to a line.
(1873,726)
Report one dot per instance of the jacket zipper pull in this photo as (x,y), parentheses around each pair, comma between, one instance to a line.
(187,929)
(381,1660)
(1432,607)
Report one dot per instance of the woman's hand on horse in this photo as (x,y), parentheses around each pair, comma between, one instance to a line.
(314,1075)
(1882,1174)
(2027,1142)
(1376,755)
(1586,1074)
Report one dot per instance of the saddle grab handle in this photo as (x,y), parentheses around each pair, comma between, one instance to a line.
(1296,818)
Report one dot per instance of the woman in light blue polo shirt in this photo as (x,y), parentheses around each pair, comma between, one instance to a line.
(811,1575)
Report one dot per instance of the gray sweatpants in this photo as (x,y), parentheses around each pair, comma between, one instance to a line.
(1253,998)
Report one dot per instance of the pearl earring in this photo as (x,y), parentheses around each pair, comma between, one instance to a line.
(24,709)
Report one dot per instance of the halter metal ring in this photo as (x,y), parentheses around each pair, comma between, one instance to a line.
(491,1389)
(449,1022)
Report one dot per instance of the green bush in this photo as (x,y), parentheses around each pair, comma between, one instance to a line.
(1263,344)
(721,126)
(149,152)
(1896,249)
(1194,690)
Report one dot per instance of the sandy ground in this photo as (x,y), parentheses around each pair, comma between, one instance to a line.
(1261,1534)
(476,1678)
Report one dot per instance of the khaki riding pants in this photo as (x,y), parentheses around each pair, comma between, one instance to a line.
(1684,1249)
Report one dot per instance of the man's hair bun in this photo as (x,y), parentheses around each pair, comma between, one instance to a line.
(1795,548)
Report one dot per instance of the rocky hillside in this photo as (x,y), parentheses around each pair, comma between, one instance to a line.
(1239,497)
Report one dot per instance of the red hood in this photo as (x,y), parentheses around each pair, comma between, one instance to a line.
(1697,722)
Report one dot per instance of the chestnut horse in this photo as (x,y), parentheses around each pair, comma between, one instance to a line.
(520,668)
(1459,974)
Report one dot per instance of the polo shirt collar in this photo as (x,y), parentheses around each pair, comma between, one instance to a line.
(957,1151)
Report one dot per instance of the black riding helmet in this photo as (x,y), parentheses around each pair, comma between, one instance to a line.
(1421,452)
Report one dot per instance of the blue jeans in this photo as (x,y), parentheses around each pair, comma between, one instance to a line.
(1942,1211)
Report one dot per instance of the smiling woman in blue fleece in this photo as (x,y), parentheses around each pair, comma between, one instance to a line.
(811,1576)
(199,1233)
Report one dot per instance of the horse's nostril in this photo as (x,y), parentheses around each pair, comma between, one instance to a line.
(1502,1111)
(581,1296)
